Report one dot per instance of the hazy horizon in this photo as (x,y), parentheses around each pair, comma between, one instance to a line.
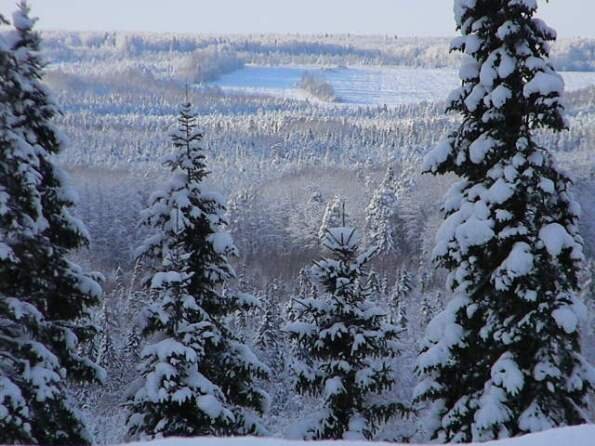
(406,18)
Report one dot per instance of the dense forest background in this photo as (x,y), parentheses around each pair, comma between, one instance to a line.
(286,166)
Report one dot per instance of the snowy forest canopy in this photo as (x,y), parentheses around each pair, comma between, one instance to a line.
(574,54)
(282,163)
(290,170)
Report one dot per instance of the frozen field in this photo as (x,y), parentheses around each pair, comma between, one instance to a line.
(364,86)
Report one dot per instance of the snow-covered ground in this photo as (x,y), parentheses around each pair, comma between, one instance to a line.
(570,436)
(364,85)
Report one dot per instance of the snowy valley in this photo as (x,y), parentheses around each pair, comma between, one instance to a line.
(274,218)
(281,159)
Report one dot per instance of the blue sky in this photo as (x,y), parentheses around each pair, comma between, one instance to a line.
(402,17)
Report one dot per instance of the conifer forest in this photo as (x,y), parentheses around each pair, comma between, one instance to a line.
(247,239)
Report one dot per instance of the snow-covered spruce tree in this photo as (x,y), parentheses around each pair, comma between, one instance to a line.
(240,216)
(373,284)
(332,216)
(270,339)
(591,289)
(303,226)
(403,286)
(107,354)
(267,336)
(44,297)
(275,351)
(399,297)
(132,301)
(197,377)
(348,345)
(381,216)
(504,358)
(429,306)
(589,295)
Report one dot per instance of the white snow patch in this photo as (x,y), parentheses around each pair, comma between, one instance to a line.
(571,436)
(341,238)
(566,318)
(222,242)
(555,238)
(474,232)
(437,156)
(506,373)
(544,84)
(481,147)
(209,405)
(500,191)
(500,96)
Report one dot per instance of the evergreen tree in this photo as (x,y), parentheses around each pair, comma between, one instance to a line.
(384,287)
(401,292)
(133,300)
(401,316)
(504,358)
(333,216)
(404,285)
(591,289)
(44,297)
(303,226)
(305,288)
(198,378)
(381,216)
(107,355)
(243,218)
(374,285)
(269,338)
(273,347)
(590,297)
(429,305)
(423,275)
(347,343)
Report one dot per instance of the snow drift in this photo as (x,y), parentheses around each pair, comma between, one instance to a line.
(568,436)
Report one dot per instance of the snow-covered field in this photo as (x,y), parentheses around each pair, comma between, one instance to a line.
(364,85)
(571,436)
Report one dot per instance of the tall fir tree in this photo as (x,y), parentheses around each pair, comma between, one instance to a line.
(404,285)
(44,297)
(374,285)
(589,293)
(107,354)
(504,358)
(133,300)
(273,348)
(333,216)
(198,377)
(347,345)
(400,296)
(591,289)
(303,226)
(269,337)
(381,216)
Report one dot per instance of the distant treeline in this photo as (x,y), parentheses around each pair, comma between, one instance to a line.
(317,87)
(225,51)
